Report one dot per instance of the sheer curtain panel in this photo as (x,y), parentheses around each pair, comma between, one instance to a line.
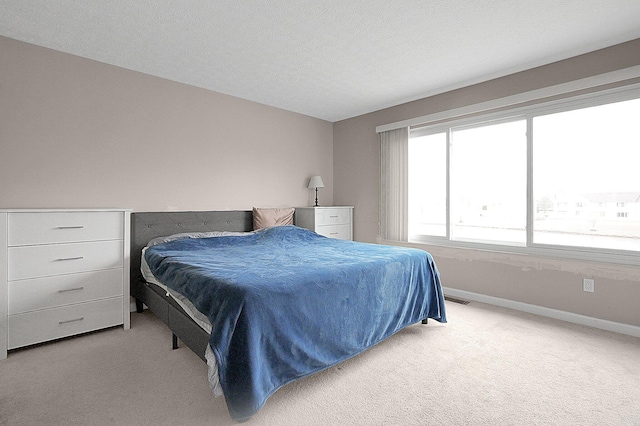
(394,157)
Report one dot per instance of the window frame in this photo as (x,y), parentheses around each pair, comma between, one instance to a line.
(528,112)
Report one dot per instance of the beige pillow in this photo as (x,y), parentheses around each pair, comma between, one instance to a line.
(264,218)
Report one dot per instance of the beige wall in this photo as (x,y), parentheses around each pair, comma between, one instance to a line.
(79,133)
(550,283)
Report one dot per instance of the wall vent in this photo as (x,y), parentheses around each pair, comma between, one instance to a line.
(456,300)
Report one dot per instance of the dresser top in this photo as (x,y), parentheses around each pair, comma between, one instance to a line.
(62,210)
(325,207)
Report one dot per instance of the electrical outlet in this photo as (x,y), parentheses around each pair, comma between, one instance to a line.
(588,285)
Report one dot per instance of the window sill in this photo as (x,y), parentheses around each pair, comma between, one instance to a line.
(614,257)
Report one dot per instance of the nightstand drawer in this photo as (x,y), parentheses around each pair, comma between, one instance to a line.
(26,228)
(48,324)
(332,216)
(50,292)
(47,260)
(333,222)
(341,232)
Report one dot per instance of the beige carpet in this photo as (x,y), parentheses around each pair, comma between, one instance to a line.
(487,366)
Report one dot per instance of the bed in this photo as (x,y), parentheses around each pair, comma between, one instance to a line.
(282,303)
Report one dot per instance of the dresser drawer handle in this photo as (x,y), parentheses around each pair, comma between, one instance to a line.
(71,227)
(334,216)
(333,233)
(70,321)
(66,290)
(69,258)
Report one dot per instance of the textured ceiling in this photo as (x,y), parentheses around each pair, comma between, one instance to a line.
(330,59)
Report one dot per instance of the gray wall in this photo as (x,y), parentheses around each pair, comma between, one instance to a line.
(551,283)
(79,133)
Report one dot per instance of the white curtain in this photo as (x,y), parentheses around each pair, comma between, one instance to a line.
(394,178)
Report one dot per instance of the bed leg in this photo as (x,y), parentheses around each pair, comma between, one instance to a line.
(425,321)
(174,343)
(139,306)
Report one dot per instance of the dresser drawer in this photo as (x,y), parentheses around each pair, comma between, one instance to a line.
(330,216)
(39,326)
(50,292)
(47,260)
(27,228)
(341,232)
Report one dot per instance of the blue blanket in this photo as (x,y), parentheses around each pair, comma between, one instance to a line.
(286,302)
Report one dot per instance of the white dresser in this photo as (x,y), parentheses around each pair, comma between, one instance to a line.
(62,272)
(333,222)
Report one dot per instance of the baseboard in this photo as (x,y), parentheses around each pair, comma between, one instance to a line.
(616,327)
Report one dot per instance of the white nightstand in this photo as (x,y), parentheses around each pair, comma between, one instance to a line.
(62,272)
(333,222)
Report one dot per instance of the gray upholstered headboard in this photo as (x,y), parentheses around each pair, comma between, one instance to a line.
(148,225)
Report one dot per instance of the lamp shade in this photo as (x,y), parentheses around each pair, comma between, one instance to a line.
(315,182)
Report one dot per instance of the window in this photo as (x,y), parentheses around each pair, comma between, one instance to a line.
(561,175)
(588,156)
(427,190)
(488,194)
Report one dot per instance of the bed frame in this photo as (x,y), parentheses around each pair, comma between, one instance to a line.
(148,225)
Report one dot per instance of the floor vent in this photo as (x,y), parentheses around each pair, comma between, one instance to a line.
(456,300)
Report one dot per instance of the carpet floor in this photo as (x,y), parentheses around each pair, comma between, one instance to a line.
(486,366)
